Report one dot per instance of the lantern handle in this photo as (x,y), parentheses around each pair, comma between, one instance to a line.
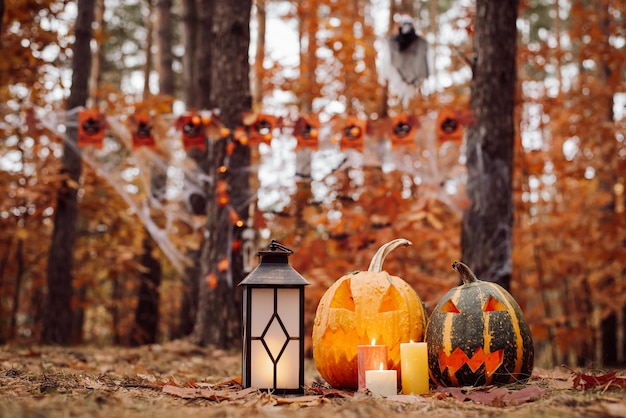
(275,245)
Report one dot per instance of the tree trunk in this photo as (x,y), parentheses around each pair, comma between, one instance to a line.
(214,309)
(488,222)
(166,57)
(189,28)
(218,320)
(203,54)
(58,314)
(1,13)
(259,54)
(147,69)
(19,275)
(147,312)
(97,57)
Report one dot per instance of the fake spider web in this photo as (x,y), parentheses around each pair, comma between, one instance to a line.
(277,169)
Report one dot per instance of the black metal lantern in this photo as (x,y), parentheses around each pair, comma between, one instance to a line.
(273,324)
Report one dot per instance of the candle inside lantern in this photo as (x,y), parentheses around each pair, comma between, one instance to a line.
(369,357)
(414,368)
(382,382)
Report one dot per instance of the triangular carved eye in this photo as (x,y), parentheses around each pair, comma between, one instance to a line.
(493,305)
(392,301)
(449,307)
(343,298)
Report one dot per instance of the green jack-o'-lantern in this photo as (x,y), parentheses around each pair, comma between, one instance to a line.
(477,335)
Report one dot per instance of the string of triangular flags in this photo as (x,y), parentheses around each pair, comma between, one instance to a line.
(196,127)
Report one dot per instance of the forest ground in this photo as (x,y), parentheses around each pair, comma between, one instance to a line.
(179,379)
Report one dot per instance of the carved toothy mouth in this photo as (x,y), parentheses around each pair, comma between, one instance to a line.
(458,358)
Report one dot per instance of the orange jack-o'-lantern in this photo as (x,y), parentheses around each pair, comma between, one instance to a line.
(477,335)
(361,306)
(90,128)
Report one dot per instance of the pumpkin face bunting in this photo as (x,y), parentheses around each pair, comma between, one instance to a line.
(477,335)
(361,306)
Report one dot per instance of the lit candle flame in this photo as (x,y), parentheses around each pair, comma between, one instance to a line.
(373,341)
(411,341)
(381,367)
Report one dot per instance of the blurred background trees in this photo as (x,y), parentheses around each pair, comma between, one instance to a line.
(332,206)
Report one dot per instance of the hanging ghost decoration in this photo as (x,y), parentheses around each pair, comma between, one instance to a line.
(404,61)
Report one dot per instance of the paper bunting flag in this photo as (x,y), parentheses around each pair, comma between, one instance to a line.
(261,129)
(353,134)
(90,128)
(449,127)
(193,129)
(402,131)
(141,129)
(306,131)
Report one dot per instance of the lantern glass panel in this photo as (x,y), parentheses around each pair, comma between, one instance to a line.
(262,303)
(289,361)
(275,338)
(288,309)
(262,375)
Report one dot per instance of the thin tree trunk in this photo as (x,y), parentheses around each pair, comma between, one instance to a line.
(58,313)
(147,69)
(19,274)
(189,28)
(1,13)
(166,57)
(214,311)
(147,312)
(259,55)
(488,222)
(203,54)
(97,58)
(5,318)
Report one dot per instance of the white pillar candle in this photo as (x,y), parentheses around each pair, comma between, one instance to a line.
(414,368)
(382,382)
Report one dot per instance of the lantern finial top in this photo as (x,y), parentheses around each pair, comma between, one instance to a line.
(276,246)
(274,268)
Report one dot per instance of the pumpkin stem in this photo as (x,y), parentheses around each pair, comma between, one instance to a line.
(466,274)
(376,265)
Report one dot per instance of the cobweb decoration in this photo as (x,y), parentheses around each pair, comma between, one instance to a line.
(437,168)
(129,174)
(404,61)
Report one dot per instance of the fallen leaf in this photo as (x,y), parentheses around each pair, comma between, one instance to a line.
(331,393)
(586,381)
(307,399)
(211,394)
(406,399)
(494,396)
(527,394)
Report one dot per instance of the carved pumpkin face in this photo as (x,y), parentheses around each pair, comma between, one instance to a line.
(477,335)
(361,306)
